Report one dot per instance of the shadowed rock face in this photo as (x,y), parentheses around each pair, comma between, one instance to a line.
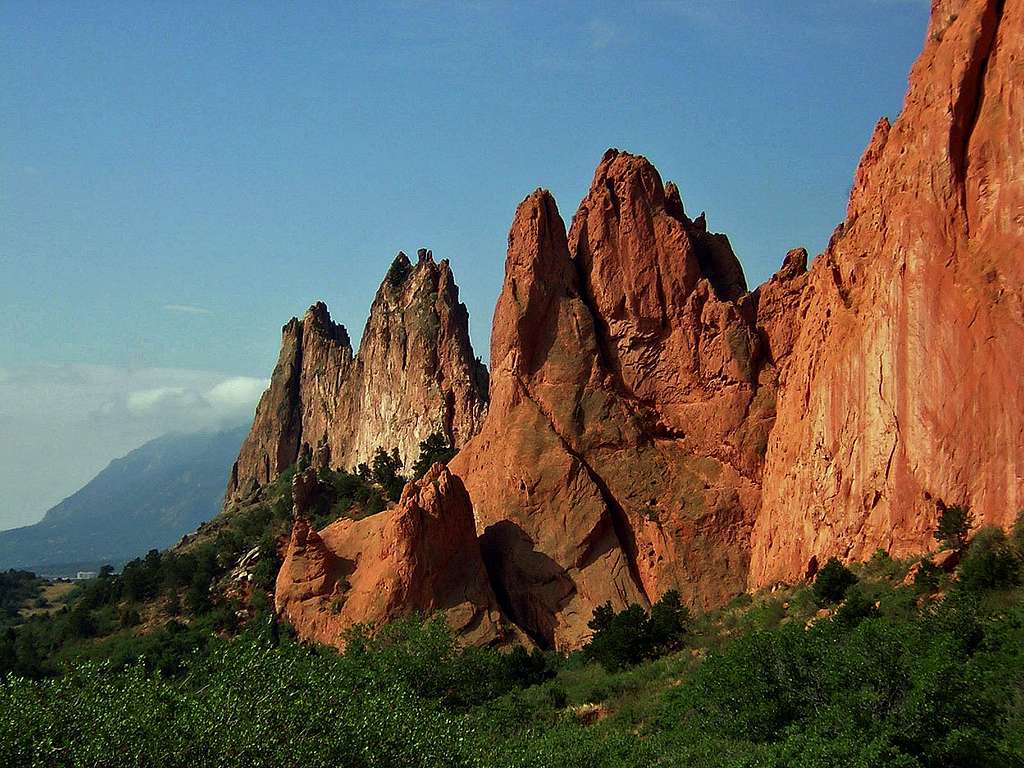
(904,384)
(421,555)
(415,373)
(631,396)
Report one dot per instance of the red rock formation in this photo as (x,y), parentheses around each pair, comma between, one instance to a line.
(415,373)
(904,385)
(637,385)
(630,399)
(421,555)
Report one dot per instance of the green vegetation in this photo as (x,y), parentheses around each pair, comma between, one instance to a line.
(179,597)
(954,527)
(434,449)
(918,675)
(18,589)
(991,562)
(626,638)
(832,582)
(385,471)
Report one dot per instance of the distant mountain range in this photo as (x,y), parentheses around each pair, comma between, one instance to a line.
(147,499)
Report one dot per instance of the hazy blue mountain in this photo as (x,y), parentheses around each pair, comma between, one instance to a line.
(147,499)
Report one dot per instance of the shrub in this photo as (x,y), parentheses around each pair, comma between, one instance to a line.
(624,639)
(832,581)
(385,471)
(1017,533)
(926,580)
(991,562)
(667,623)
(857,606)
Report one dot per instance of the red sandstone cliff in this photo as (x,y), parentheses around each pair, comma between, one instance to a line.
(421,555)
(904,385)
(415,373)
(631,394)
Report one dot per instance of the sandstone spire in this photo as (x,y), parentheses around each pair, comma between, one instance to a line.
(415,373)
(630,398)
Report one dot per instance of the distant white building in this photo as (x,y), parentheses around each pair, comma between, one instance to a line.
(83,575)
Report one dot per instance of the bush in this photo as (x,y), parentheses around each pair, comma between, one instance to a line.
(991,562)
(857,606)
(385,471)
(1017,533)
(926,580)
(832,581)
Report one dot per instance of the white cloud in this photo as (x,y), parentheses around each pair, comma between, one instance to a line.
(236,392)
(146,400)
(61,424)
(189,309)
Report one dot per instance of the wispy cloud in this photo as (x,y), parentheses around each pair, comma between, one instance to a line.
(188,309)
(602,33)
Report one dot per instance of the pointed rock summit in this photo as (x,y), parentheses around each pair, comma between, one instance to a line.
(631,396)
(655,425)
(415,373)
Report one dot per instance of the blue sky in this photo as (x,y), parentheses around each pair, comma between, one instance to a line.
(178,179)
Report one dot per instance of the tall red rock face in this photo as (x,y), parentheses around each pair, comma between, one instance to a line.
(631,397)
(904,387)
(421,555)
(415,373)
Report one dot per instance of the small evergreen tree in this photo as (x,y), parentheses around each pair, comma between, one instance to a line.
(668,622)
(954,526)
(432,450)
(385,471)
(991,562)
(624,639)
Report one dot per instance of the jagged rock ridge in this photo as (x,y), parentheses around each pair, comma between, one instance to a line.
(415,373)
(654,425)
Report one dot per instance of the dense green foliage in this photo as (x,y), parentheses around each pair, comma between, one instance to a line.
(923,675)
(346,495)
(626,638)
(832,582)
(17,589)
(385,471)
(991,562)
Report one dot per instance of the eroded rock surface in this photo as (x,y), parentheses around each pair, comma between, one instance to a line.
(415,373)
(655,425)
(904,386)
(630,401)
